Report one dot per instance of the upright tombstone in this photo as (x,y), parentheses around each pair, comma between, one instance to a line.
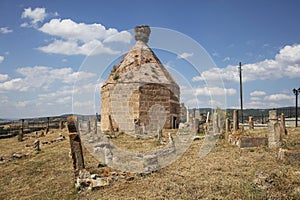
(75,143)
(251,123)
(36,145)
(235,120)
(88,126)
(21,135)
(48,125)
(227,127)
(196,125)
(282,123)
(61,124)
(96,124)
(274,137)
(159,134)
(220,121)
(216,127)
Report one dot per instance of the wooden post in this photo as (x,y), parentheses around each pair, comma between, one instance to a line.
(75,143)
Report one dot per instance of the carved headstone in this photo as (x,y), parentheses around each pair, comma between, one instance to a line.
(75,143)
(274,136)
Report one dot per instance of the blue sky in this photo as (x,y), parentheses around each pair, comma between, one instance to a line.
(48,46)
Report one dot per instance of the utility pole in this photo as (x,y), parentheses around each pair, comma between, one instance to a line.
(296,92)
(241,91)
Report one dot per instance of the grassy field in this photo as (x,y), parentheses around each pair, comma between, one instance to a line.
(227,172)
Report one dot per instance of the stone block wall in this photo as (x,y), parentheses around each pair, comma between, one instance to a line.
(132,105)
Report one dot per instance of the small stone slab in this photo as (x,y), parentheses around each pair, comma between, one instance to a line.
(245,142)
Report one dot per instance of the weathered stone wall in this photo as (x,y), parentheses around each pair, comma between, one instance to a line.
(121,102)
(133,105)
(161,96)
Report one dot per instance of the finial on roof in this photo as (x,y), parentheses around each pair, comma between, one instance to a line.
(142,33)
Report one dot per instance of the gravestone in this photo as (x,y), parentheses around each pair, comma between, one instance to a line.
(227,127)
(196,125)
(20,135)
(216,127)
(88,126)
(235,120)
(36,145)
(274,137)
(251,123)
(61,124)
(282,123)
(75,143)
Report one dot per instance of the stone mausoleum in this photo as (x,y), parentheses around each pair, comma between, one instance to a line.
(140,96)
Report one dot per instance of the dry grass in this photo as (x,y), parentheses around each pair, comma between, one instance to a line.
(226,173)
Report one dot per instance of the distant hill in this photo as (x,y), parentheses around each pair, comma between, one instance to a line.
(288,111)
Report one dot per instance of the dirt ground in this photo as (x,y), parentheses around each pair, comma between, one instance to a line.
(227,172)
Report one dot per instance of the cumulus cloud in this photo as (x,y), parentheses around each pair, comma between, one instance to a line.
(184,55)
(215,91)
(34,15)
(74,38)
(71,47)
(5,30)
(1,59)
(3,77)
(278,97)
(285,64)
(42,77)
(257,93)
(226,59)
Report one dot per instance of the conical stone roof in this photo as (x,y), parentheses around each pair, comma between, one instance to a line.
(141,64)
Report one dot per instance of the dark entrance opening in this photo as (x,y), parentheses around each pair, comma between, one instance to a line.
(174,122)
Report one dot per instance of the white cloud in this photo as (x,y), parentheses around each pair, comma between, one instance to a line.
(255,99)
(36,15)
(279,97)
(13,85)
(1,59)
(259,104)
(21,104)
(68,29)
(42,77)
(285,64)
(5,30)
(80,38)
(185,55)
(226,59)
(214,91)
(3,77)
(257,93)
(122,36)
